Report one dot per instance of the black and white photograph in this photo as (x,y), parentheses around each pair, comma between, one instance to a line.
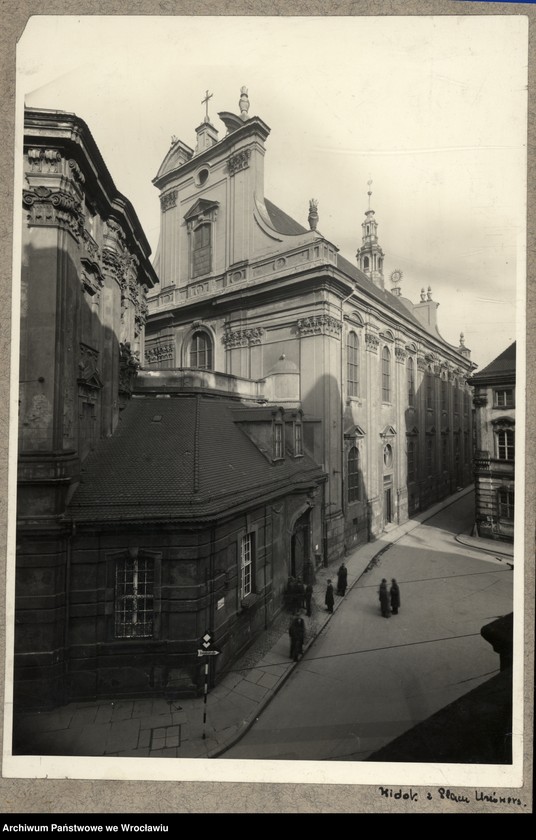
(268,369)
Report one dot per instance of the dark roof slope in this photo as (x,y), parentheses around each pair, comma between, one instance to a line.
(181,457)
(504,364)
(282,222)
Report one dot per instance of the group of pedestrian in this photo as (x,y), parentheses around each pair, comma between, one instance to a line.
(389,599)
(299,596)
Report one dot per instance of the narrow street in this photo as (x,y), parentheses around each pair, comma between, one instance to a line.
(368,679)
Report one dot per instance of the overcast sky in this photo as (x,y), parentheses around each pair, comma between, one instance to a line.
(432,109)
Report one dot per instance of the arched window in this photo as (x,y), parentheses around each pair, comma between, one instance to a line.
(353,474)
(386,375)
(411,381)
(444,394)
(201,250)
(352,352)
(365,262)
(201,351)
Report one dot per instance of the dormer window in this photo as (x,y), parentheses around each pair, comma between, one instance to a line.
(298,439)
(278,441)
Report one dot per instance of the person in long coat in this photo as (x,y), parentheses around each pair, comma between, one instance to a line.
(330,598)
(342,579)
(394,592)
(308,598)
(300,595)
(384,599)
(296,632)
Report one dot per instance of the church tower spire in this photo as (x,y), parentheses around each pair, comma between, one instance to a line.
(370,255)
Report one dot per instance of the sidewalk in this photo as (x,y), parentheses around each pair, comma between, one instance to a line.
(157,728)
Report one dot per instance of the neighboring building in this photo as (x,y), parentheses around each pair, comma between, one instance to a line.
(494,399)
(153,507)
(245,288)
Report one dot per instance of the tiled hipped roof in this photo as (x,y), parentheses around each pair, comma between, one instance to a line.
(504,364)
(181,458)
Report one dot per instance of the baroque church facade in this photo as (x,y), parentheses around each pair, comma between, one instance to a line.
(249,292)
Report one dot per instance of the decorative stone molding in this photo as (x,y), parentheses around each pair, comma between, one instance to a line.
(77,172)
(503,424)
(128,368)
(421,363)
(46,207)
(242,338)
(239,161)
(372,342)
(400,355)
(168,200)
(89,380)
(319,325)
(45,161)
(113,230)
(112,264)
(140,315)
(91,277)
(480,400)
(89,243)
(159,353)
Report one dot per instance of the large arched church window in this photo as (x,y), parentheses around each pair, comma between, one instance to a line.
(411,381)
(201,250)
(353,475)
(352,348)
(201,351)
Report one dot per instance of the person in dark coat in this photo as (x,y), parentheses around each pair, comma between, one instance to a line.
(342,579)
(300,595)
(330,598)
(291,594)
(308,598)
(384,599)
(296,632)
(394,592)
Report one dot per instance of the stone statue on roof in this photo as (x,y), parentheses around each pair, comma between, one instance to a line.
(243,103)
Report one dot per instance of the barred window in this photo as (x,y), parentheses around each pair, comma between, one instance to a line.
(201,351)
(505,445)
(134,598)
(411,381)
(386,375)
(352,349)
(247,552)
(353,475)
(505,501)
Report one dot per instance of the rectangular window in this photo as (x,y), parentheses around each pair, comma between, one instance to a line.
(247,550)
(201,250)
(504,398)
(411,461)
(505,445)
(506,503)
(278,440)
(298,439)
(134,598)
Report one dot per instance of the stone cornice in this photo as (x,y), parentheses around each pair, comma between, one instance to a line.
(53,208)
(319,324)
(242,337)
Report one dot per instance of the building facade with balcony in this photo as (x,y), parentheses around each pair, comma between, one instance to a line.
(248,291)
(494,400)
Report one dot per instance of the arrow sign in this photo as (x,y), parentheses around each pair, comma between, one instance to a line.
(208,652)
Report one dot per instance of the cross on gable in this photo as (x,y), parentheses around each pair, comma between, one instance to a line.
(205,101)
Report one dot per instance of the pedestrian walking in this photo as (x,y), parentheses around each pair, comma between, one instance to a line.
(330,598)
(296,632)
(384,599)
(394,592)
(308,598)
(342,579)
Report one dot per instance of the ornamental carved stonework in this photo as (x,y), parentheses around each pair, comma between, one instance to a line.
(372,342)
(239,161)
(400,355)
(160,353)
(168,200)
(44,161)
(319,325)
(422,363)
(47,207)
(112,264)
(89,243)
(243,337)
(76,172)
(128,369)
(480,400)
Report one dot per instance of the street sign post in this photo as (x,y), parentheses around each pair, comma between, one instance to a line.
(206,650)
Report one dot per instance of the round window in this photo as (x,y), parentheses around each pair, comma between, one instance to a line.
(202,176)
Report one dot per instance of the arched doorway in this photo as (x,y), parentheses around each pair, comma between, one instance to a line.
(300,544)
